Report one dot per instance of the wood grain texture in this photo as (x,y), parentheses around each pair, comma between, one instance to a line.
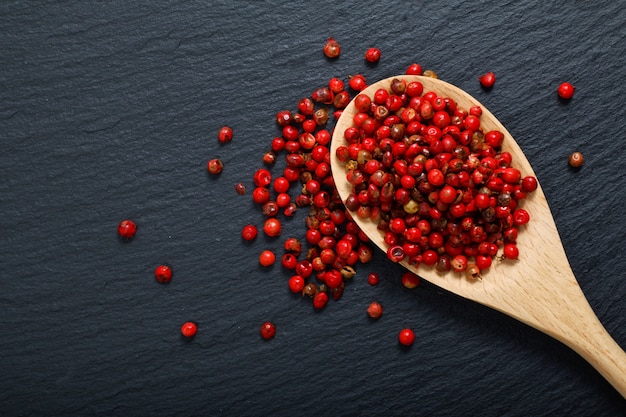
(540,288)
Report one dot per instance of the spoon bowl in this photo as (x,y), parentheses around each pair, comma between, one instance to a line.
(540,288)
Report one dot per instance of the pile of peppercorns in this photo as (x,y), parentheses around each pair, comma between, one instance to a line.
(335,244)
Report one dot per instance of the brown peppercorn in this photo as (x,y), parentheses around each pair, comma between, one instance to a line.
(347,272)
(310,290)
(576,159)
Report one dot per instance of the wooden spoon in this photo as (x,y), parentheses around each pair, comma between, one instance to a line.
(540,288)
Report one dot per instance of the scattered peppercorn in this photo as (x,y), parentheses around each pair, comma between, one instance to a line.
(332,49)
(215,166)
(189,329)
(373,278)
(487,80)
(576,159)
(375,310)
(268,330)
(406,337)
(267,258)
(163,274)
(410,280)
(272,227)
(240,188)
(127,229)
(372,55)
(225,134)
(414,69)
(565,90)
(249,232)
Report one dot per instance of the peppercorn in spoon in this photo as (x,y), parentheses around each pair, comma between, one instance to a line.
(535,285)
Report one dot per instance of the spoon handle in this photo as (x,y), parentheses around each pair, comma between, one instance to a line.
(597,346)
(564,313)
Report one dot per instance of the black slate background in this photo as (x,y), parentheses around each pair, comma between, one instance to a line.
(109,110)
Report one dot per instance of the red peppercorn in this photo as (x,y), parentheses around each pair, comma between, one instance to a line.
(520,217)
(261,195)
(476,111)
(215,166)
(189,329)
(471,123)
(436,177)
(262,177)
(267,330)
(323,95)
(283,118)
(410,280)
(127,229)
(306,106)
(406,337)
(459,263)
(249,232)
(267,258)
(269,158)
(293,245)
(163,274)
(357,82)
(278,144)
(240,188)
(290,210)
(320,300)
(225,134)
(487,80)
(373,278)
(483,262)
(565,90)
(283,200)
(270,209)
(296,284)
(372,55)
(429,257)
(511,175)
(414,69)
(289,261)
(272,227)
(333,278)
(396,253)
(529,184)
(304,268)
(335,85)
(332,49)
(281,185)
(510,251)
(375,310)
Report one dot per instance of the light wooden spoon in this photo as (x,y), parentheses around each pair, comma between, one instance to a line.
(540,288)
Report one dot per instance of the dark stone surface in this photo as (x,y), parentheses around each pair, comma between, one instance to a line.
(110,110)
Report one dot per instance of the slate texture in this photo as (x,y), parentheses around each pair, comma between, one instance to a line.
(109,110)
